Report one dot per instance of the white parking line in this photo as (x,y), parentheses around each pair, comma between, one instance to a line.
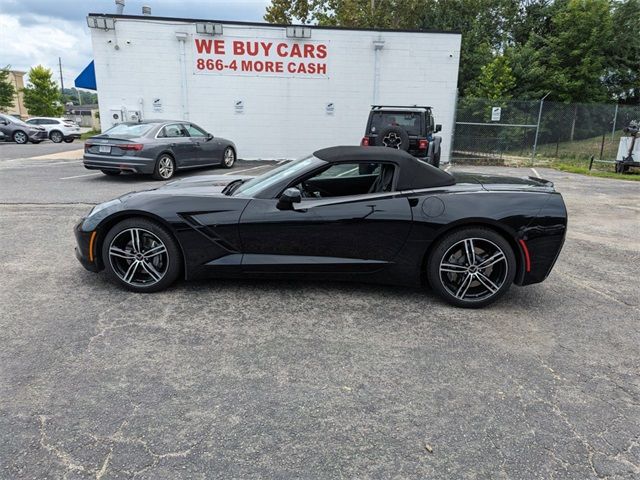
(36,165)
(233,172)
(83,175)
(535,172)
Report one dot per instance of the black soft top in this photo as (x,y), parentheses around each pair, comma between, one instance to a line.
(414,173)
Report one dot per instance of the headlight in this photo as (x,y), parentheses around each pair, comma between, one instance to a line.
(102,206)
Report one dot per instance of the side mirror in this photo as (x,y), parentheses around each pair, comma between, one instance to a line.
(4,122)
(288,198)
(209,136)
(438,127)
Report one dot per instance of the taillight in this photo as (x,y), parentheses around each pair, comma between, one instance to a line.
(423,144)
(130,146)
(365,141)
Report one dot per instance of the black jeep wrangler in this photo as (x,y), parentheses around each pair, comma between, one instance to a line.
(407,128)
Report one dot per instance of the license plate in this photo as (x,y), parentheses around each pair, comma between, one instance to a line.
(104,149)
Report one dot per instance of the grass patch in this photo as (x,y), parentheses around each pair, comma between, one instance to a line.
(583,169)
(88,134)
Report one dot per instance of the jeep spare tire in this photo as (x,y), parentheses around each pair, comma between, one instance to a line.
(394,137)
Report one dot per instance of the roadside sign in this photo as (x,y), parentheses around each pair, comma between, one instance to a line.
(496,113)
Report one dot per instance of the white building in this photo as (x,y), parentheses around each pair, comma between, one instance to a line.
(276,91)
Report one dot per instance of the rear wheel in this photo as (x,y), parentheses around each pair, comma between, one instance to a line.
(111,173)
(165,167)
(20,137)
(471,267)
(141,255)
(56,137)
(229,157)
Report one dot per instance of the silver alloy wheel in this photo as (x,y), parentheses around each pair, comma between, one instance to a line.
(20,137)
(56,137)
(229,157)
(165,167)
(473,269)
(138,257)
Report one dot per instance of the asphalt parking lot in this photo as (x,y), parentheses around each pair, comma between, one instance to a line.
(258,379)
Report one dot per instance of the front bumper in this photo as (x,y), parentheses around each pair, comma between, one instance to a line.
(38,136)
(86,248)
(124,163)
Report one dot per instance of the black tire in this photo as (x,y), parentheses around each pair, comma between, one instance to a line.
(394,137)
(35,142)
(20,137)
(167,264)
(228,157)
(111,173)
(449,270)
(56,136)
(162,170)
(69,140)
(436,160)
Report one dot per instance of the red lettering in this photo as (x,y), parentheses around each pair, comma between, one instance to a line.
(238,48)
(281,49)
(308,50)
(252,48)
(203,45)
(295,51)
(218,47)
(266,47)
(246,66)
(321,51)
(291,67)
(279,67)
(321,68)
(258,66)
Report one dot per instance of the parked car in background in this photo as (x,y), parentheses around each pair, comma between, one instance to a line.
(410,128)
(58,129)
(20,132)
(156,147)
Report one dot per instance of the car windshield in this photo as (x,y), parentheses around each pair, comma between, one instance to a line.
(128,130)
(409,121)
(13,119)
(288,170)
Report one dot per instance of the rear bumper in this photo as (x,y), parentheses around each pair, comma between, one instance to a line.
(85,256)
(124,164)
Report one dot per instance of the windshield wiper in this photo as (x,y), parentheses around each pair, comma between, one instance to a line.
(230,188)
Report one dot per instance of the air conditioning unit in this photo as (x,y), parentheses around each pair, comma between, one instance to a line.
(115,116)
(132,115)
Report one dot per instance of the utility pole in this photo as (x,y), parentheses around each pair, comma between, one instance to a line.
(61,81)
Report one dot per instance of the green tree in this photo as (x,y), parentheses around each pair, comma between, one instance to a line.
(42,95)
(6,89)
(496,80)
(623,55)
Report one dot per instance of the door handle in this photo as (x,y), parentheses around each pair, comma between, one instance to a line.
(413,202)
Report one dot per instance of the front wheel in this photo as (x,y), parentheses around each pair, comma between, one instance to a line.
(68,140)
(56,136)
(141,255)
(471,267)
(20,137)
(229,157)
(165,167)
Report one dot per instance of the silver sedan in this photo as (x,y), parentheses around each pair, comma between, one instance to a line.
(156,147)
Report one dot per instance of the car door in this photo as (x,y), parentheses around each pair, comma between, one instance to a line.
(5,127)
(351,231)
(208,148)
(176,138)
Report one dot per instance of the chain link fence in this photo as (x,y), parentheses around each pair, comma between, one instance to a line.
(507,132)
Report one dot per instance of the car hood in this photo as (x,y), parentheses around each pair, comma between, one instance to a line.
(503,182)
(201,185)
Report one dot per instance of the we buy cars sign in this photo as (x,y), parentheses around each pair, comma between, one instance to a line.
(269,57)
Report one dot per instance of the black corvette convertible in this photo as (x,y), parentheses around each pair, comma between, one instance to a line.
(349,213)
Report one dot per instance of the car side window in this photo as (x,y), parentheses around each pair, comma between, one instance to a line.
(174,130)
(344,179)
(33,121)
(194,131)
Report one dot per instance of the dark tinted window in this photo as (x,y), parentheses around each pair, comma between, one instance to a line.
(409,121)
(173,131)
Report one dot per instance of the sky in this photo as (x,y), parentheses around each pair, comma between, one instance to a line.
(36,32)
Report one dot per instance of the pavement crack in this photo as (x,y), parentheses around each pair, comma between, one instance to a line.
(64,457)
